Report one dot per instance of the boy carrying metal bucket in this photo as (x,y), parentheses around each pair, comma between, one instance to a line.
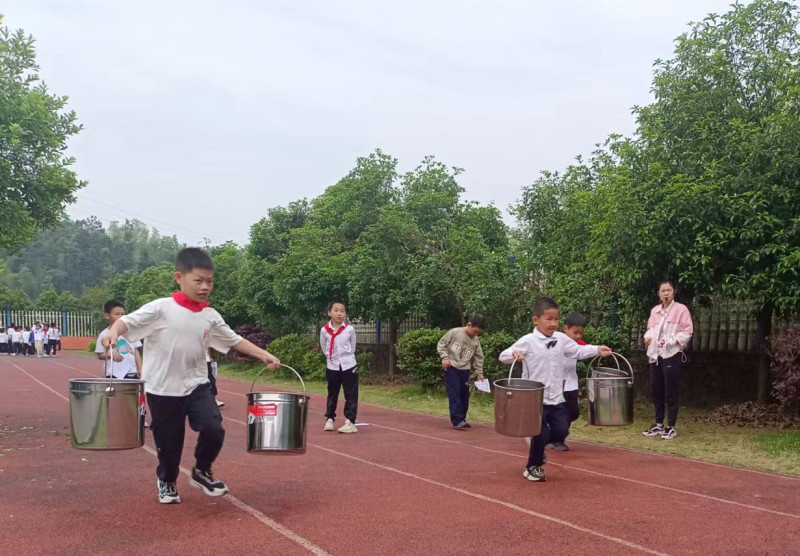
(544,353)
(179,330)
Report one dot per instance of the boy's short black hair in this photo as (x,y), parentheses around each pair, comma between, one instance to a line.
(478,321)
(190,258)
(111,305)
(666,281)
(543,304)
(575,319)
(334,302)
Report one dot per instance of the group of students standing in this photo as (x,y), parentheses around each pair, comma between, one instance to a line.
(550,357)
(41,340)
(180,330)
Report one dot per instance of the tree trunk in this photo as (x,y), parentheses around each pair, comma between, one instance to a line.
(393,325)
(763,332)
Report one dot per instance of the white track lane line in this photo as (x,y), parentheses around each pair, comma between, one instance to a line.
(274,525)
(581,469)
(483,498)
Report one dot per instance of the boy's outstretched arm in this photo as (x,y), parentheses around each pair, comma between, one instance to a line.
(249,348)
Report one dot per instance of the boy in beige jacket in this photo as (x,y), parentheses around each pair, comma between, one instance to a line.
(461,354)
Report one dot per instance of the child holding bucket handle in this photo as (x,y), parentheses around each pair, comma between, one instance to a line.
(179,329)
(124,353)
(337,340)
(574,327)
(461,354)
(544,353)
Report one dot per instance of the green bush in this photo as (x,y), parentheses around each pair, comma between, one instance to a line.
(305,357)
(493,344)
(297,353)
(92,345)
(603,336)
(416,354)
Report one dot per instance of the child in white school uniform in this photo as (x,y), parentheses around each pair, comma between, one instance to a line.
(337,340)
(544,353)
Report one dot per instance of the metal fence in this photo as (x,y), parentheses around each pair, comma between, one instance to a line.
(377,332)
(70,323)
(725,326)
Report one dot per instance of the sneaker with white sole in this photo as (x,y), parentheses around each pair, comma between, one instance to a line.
(656,430)
(535,474)
(348,427)
(167,493)
(669,433)
(207,482)
(220,404)
(329,425)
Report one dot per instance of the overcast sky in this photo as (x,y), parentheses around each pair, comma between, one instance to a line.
(199,116)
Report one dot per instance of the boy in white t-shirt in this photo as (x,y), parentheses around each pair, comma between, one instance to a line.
(126,360)
(3,341)
(53,338)
(179,330)
(38,339)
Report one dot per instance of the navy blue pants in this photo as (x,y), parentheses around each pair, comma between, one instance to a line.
(456,382)
(664,387)
(168,424)
(555,424)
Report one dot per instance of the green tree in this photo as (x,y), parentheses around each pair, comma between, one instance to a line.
(227,296)
(383,274)
(36,181)
(153,283)
(721,155)
(16,299)
(48,301)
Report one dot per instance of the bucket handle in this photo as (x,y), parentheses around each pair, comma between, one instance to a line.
(258,374)
(109,370)
(511,370)
(614,354)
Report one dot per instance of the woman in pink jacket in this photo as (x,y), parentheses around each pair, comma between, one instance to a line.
(669,330)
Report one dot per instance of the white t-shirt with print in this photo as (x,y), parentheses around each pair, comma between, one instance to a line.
(177,342)
(120,369)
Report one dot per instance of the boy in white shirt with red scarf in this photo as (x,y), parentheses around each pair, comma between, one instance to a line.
(179,330)
(337,340)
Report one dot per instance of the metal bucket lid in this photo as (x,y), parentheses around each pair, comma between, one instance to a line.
(256,397)
(606,373)
(518,384)
(105,381)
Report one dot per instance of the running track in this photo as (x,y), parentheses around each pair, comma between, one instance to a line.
(406,484)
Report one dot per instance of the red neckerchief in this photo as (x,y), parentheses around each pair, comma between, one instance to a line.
(333,334)
(188,303)
(581,343)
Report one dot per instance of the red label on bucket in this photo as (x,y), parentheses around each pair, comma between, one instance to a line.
(263,410)
(141,401)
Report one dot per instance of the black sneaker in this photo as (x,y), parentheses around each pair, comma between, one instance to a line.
(669,433)
(461,426)
(535,474)
(167,493)
(207,482)
(656,430)
(560,447)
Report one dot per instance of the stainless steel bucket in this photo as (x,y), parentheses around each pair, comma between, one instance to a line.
(518,406)
(276,421)
(610,393)
(106,414)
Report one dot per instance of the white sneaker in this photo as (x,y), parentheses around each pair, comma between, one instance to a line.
(220,404)
(329,425)
(348,427)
